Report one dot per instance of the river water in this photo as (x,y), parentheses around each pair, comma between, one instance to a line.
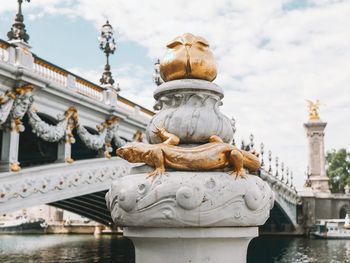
(88,248)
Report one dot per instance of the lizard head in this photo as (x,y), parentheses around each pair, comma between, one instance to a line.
(129,152)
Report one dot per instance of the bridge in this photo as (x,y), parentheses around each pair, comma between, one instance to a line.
(59,133)
(51,152)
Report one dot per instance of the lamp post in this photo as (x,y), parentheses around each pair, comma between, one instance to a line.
(156,75)
(18,31)
(108,46)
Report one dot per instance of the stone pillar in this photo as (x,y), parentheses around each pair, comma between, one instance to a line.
(316,157)
(190,216)
(9,151)
(203,213)
(110,94)
(24,57)
(173,245)
(64,151)
(71,82)
(98,229)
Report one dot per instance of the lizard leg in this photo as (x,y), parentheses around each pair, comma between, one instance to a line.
(215,138)
(166,137)
(157,162)
(156,172)
(236,160)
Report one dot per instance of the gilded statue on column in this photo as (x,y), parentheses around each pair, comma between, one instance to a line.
(313,109)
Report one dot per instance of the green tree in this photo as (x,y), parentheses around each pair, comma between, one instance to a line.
(338,169)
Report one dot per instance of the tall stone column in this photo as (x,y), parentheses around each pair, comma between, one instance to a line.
(9,151)
(204,209)
(317,177)
(13,109)
(64,152)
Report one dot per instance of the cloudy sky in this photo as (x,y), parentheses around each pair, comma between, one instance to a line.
(272,55)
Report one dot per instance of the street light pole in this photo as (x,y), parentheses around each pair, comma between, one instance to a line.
(18,31)
(108,46)
(156,75)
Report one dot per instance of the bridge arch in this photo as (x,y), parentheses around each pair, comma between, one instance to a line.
(34,150)
(92,206)
(79,149)
(279,220)
(345,209)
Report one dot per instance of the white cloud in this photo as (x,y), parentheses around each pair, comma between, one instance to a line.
(270,59)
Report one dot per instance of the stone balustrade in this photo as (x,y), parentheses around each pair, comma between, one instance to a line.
(49,72)
(88,89)
(22,57)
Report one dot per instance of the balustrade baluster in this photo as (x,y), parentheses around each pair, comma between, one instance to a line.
(262,154)
(251,139)
(242,145)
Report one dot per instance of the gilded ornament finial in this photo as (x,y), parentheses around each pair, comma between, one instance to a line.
(188,57)
(313,110)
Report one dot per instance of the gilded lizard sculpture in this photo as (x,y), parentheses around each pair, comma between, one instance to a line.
(213,155)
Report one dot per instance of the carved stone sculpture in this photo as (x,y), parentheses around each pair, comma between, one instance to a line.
(185,199)
(47,132)
(189,108)
(6,102)
(13,106)
(213,155)
(313,109)
(183,205)
(188,57)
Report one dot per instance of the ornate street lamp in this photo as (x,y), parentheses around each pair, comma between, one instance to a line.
(18,31)
(108,46)
(270,161)
(156,75)
(262,154)
(233,125)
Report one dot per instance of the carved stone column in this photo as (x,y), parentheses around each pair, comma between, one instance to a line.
(64,151)
(174,245)
(189,108)
(9,151)
(13,107)
(200,212)
(190,216)
(316,157)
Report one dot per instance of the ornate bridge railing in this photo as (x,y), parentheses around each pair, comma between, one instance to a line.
(280,179)
(56,182)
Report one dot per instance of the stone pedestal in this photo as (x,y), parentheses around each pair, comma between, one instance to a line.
(64,151)
(194,216)
(190,109)
(9,151)
(174,245)
(316,162)
(190,216)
